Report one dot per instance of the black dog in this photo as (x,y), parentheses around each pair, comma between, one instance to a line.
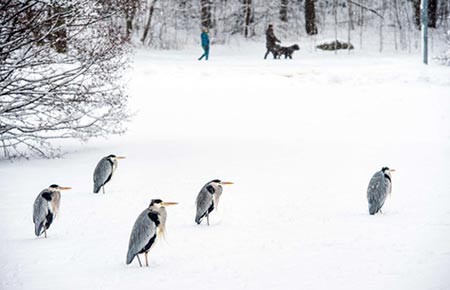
(288,51)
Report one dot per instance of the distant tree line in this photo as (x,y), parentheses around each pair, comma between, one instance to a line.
(173,23)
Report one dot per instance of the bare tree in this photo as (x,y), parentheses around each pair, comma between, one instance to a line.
(151,9)
(206,13)
(248,16)
(335,11)
(416,5)
(350,23)
(284,10)
(444,58)
(310,17)
(432,13)
(47,93)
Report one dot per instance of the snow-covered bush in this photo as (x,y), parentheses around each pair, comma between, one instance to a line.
(60,69)
(445,57)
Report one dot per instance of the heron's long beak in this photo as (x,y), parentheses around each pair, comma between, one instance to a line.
(391,170)
(226,182)
(64,188)
(168,203)
(120,157)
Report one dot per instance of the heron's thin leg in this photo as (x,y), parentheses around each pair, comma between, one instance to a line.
(207,219)
(146,259)
(45,232)
(139,260)
(103,187)
(381,211)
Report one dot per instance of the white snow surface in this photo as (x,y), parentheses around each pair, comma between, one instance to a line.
(300,138)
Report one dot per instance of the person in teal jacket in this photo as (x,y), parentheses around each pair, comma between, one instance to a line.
(205,44)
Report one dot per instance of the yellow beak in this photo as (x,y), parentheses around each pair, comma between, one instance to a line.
(64,188)
(120,157)
(166,203)
(226,183)
(391,170)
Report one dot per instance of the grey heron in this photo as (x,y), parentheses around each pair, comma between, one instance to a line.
(379,187)
(46,208)
(149,225)
(208,199)
(104,171)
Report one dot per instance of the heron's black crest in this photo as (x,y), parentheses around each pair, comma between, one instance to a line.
(155,201)
(111,156)
(54,186)
(215,180)
(384,169)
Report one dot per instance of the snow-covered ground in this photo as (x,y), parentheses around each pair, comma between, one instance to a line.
(300,139)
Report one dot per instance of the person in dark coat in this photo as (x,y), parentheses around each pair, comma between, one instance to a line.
(205,44)
(271,42)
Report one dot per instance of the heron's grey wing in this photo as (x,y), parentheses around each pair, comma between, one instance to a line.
(40,211)
(377,192)
(143,230)
(204,201)
(102,174)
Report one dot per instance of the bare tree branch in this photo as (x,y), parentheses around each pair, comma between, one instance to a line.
(60,74)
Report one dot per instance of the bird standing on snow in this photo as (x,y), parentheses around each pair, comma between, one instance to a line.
(46,208)
(379,187)
(104,171)
(149,225)
(208,199)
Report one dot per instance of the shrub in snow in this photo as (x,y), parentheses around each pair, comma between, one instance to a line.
(445,57)
(60,69)
(334,45)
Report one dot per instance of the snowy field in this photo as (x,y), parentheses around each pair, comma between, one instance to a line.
(300,139)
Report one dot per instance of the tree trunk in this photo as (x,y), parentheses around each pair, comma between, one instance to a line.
(205,13)
(350,15)
(432,13)
(383,8)
(444,13)
(248,16)
(284,10)
(350,24)
(149,21)
(130,12)
(361,24)
(310,17)
(416,4)
(58,37)
(335,4)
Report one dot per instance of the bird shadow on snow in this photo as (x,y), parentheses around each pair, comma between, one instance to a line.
(200,227)
(152,265)
(366,215)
